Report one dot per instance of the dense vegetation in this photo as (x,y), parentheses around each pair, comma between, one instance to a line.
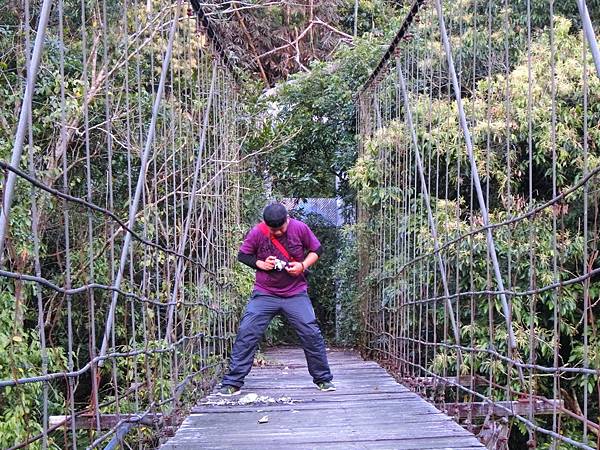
(299,133)
(314,110)
(92,107)
(109,79)
(532,255)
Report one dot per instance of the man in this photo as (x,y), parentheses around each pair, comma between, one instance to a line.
(280,249)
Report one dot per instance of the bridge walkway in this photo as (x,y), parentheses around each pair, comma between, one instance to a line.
(279,407)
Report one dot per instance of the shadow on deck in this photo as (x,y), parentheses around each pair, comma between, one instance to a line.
(279,407)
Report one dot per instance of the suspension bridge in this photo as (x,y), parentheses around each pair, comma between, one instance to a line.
(477,233)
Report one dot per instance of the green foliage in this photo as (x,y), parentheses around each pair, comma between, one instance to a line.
(126,86)
(323,278)
(304,130)
(20,406)
(374,16)
(526,248)
(346,272)
(313,114)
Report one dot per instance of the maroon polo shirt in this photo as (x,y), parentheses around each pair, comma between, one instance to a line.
(298,240)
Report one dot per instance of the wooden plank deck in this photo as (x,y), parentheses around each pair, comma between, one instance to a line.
(369,410)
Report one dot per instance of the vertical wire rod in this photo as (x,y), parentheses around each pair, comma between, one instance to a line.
(532,274)
(35,218)
(67,232)
(17,152)
(589,33)
(556,313)
(141,178)
(586,266)
(482,205)
(430,218)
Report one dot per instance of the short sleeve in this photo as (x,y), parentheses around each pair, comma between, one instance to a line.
(309,240)
(250,244)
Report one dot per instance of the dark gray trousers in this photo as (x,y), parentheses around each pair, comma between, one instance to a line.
(259,312)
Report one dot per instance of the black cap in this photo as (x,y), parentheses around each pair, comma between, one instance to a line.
(275,215)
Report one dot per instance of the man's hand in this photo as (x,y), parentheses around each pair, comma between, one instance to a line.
(268,264)
(295,269)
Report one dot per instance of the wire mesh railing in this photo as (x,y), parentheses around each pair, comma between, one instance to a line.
(478,194)
(121,164)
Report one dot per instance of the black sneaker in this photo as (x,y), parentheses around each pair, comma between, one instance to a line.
(325,386)
(228,391)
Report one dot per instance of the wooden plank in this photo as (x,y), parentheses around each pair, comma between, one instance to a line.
(318,429)
(292,435)
(415,443)
(308,388)
(335,436)
(313,424)
(274,397)
(107,421)
(408,406)
(336,373)
(296,383)
(396,444)
(448,382)
(499,409)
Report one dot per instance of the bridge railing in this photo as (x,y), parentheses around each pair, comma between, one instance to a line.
(120,158)
(478,235)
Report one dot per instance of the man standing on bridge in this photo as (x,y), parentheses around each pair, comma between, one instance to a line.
(280,249)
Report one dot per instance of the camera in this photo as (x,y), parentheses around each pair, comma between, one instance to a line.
(280,264)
